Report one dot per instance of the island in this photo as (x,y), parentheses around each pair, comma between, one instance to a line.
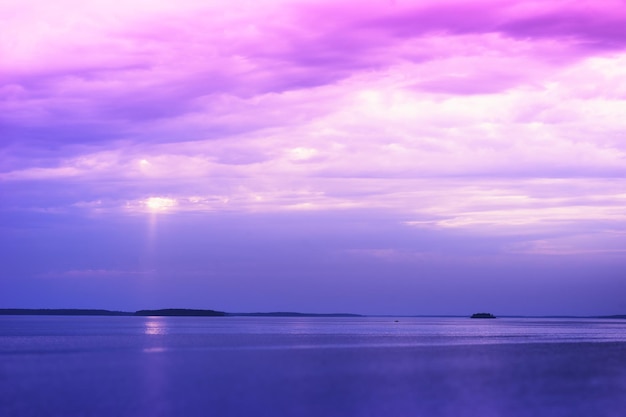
(60,312)
(180,312)
(483,316)
(93,312)
(293,314)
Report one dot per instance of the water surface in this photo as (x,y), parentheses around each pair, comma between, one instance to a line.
(275,366)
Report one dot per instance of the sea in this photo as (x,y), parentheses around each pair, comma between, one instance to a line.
(66,366)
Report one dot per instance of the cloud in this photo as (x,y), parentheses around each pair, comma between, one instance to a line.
(610,243)
(510,119)
(123,74)
(96,273)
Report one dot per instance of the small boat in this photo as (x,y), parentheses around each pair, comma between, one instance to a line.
(483,316)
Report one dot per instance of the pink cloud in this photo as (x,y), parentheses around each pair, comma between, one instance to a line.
(416,108)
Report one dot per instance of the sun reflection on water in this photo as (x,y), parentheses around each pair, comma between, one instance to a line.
(155,326)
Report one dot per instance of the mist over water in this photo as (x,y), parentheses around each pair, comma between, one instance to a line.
(262,366)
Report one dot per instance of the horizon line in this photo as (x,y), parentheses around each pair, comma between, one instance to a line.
(191,312)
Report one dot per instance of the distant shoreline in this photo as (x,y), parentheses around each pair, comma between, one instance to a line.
(167,312)
(185,312)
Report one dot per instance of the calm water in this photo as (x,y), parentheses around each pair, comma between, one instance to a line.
(229,366)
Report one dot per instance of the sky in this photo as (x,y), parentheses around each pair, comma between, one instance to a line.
(373,157)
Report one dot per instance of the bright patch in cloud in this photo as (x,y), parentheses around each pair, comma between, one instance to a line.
(160,203)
